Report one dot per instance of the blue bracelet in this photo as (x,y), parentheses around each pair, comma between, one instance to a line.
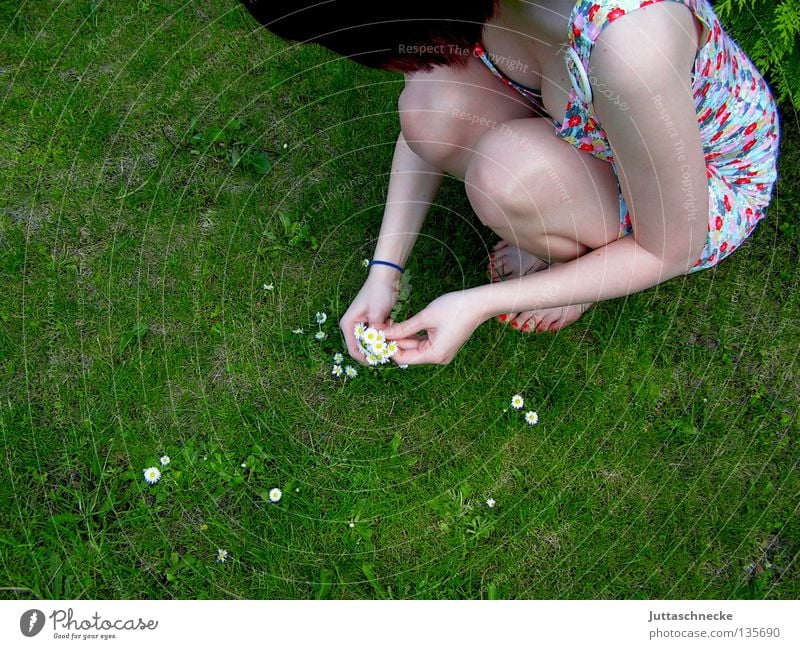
(386,263)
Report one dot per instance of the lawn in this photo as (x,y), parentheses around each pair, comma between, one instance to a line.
(160,163)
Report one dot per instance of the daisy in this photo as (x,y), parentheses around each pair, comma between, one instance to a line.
(299,330)
(365,263)
(517,402)
(363,349)
(379,348)
(352,525)
(532,417)
(391,348)
(268,287)
(275,495)
(337,370)
(152,475)
(320,335)
(222,555)
(164,459)
(381,337)
(370,336)
(373,359)
(359,330)
(321,317)
(490,503)
(351,372)
(338,358)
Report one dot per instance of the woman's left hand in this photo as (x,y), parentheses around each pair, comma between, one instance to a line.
(448,322)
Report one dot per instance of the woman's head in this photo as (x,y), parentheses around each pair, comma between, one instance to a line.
(407,35)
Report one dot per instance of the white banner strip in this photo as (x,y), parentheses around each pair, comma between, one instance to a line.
(354,624)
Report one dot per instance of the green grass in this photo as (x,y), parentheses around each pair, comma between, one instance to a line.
(133,323)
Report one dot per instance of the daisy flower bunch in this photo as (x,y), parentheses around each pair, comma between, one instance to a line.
(153,474)
(531,416)
(349,371)
(373,344)
(320,317)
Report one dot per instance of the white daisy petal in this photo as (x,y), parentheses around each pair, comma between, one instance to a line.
(152,475)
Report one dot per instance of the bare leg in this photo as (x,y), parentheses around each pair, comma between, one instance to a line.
(549,202)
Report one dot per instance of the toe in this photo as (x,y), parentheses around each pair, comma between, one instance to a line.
(550,323)
(522,320)
(528,324)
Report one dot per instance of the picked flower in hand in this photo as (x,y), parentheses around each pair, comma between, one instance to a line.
(372,343)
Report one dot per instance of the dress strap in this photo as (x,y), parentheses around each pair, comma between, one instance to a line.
(587,20)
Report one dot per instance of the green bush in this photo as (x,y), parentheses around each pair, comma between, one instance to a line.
(768,32)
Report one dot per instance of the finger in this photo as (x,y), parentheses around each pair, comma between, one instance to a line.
(408,328)
(423,353)
(348,326)
(409,343)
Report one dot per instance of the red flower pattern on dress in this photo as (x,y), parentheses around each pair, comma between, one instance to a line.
(615,13)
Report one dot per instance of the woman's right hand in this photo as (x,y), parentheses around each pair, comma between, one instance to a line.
(371,306)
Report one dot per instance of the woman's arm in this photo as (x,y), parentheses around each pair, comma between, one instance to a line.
(412,187)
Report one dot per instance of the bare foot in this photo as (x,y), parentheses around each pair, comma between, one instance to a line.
(508,261)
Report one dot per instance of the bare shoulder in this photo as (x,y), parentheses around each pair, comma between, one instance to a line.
(658,40)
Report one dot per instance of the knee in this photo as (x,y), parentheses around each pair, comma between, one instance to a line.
(436,124)
(503,181)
